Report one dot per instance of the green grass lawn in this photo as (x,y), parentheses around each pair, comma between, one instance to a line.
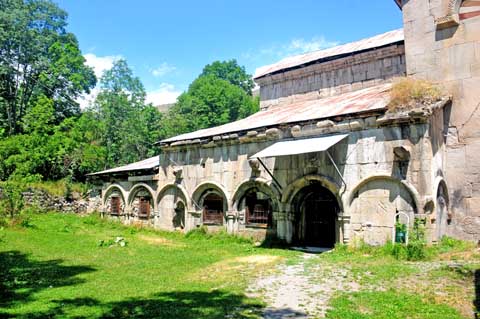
(444,286)
(63,265)
(67,266)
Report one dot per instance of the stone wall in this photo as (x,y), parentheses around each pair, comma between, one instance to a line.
(342,75)
(47,202)
(442,48)
(386,162)
(129,191)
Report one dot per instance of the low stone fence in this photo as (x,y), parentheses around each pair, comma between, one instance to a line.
(45,201)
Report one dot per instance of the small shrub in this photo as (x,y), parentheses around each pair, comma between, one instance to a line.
(416,250)
(11,202)
(398,251)
(408,93)
(341,248)
(199,232)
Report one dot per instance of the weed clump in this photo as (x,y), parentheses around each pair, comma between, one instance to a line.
(408,93)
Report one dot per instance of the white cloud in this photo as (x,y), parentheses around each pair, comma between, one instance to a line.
(163,69)
(85,100)
(166,94)
(99,64)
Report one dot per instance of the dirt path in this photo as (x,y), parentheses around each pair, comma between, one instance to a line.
(301,290)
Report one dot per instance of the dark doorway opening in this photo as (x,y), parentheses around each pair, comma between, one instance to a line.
(316,211)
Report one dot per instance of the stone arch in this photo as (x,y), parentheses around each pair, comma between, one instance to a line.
(111,188)
(373,206)
(293,188)
(410,188)
(205,186)
(442,217)
(181,193)
(441,185)
(315,213)
(262,185)
(173,206)
(136,188)
(114,188)
(141,200)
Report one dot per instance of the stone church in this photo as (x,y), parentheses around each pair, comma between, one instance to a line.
(324,160)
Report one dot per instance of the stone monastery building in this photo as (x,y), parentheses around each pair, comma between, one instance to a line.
(324,161)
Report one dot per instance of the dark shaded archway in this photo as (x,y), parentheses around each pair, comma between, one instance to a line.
(316,211)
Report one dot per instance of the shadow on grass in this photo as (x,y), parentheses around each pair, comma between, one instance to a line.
(21,277)
(178,304)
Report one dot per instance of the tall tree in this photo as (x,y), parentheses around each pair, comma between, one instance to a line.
(220,94)
(38,57)
(130,125)
(232,72)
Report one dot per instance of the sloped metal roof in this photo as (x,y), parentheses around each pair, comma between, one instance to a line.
(338,51)
(300,146)
(145,164)
(369,99)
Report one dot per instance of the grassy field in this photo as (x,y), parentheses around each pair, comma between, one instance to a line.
(62,265)
(446,285)
(67,266)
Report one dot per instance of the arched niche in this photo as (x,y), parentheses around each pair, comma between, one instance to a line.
(442,215)
(141,200)
(211,199)
(172,207)
(256,201)
(374,202)
(114,202)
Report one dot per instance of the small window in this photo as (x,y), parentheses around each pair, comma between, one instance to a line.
(213,209)
(258,209)
(115,205)
(144,207)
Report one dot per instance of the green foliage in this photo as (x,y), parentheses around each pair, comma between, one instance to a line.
(11,202)
(129,126)
(221,94)
(231,72)
(38,58)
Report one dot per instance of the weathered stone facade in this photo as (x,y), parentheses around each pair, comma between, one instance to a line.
(443,45)
(418,163)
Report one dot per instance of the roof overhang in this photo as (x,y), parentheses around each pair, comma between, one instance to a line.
(399,3)
(301,146)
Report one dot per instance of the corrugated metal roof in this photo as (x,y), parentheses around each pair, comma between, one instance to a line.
(373,98)
(145,164)
(300,146)
(365,44)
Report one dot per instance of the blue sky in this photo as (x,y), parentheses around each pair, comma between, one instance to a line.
(167,43)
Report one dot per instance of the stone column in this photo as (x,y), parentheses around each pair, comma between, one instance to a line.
(345,228)
(290,219)
(280,218)
(190,217)
(231,218)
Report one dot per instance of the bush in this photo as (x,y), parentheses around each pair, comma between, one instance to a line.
(11,202)
(199,232)
(408,93)
(416,251)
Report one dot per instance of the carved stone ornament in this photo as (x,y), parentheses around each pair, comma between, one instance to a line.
(254,165)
